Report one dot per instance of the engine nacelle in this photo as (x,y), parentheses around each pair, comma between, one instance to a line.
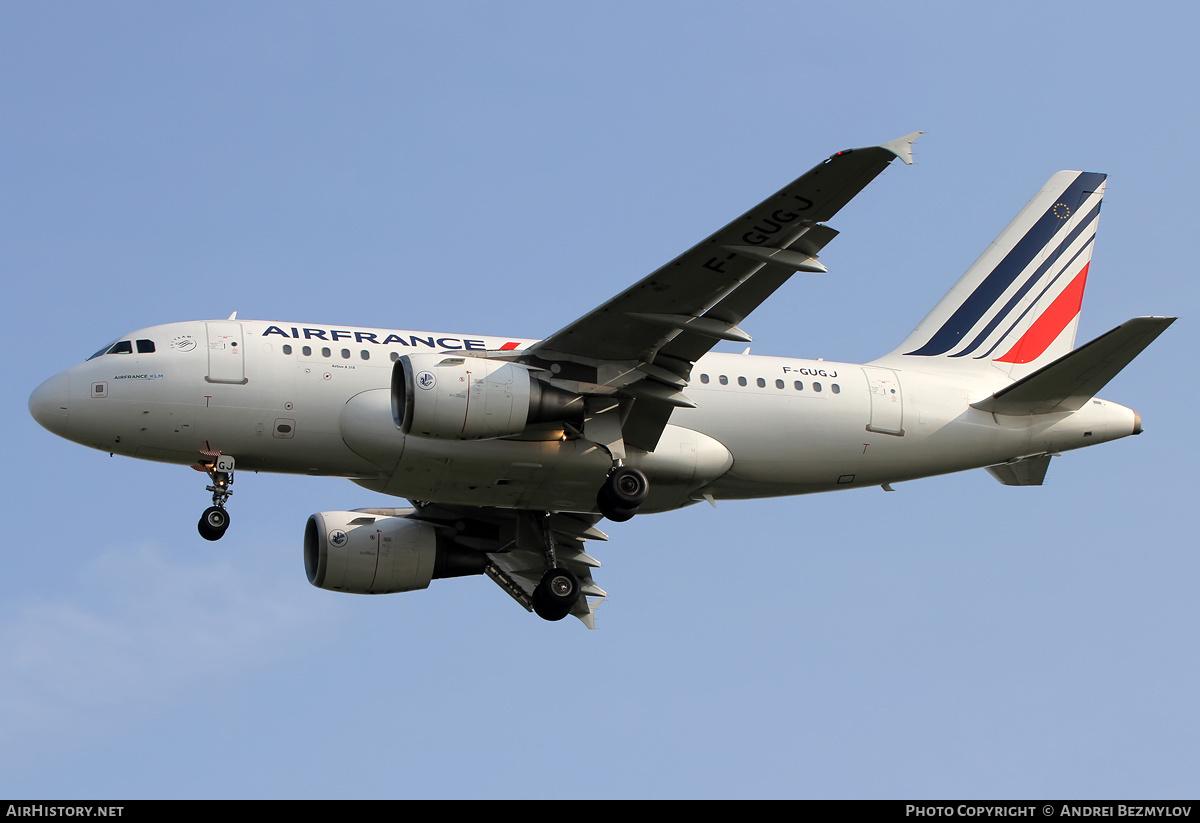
(379,554)
(469,398)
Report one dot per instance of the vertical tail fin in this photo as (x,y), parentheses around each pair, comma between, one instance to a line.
(1017,307)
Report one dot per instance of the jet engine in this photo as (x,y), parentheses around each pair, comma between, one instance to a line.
(468,398)
(364,553)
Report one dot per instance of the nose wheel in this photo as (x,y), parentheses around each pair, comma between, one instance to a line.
(213,523)
(215,519)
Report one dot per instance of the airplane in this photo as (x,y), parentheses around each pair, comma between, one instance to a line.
(512,450)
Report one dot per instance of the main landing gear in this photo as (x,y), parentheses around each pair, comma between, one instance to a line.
(215,519)
(556,594)
(624,490)
(559,589)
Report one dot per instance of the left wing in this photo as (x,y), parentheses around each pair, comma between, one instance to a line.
(641,344)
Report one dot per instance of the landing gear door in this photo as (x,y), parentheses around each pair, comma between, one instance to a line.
(887,403)
(226,361)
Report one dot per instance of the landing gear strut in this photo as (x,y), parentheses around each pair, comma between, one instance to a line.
(624,490)
(215,519)
(559,589)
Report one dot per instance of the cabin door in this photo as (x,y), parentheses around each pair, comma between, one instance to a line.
(887,403)
(226,356)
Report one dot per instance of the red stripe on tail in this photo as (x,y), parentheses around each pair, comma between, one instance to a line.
(1046,329)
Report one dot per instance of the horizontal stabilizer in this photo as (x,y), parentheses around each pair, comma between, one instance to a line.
(1076,377)
(1024,471)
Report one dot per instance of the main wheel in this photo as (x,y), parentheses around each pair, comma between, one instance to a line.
(213,523)
(627,487)
(550,613)
(556,594)
(609,508)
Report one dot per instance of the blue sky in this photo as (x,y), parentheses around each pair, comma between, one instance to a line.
(503,168)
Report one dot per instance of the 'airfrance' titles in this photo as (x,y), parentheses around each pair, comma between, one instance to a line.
(372,337)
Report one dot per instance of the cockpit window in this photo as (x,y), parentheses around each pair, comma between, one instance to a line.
(126,347)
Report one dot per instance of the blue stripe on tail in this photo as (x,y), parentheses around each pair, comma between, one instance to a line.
(1009,269)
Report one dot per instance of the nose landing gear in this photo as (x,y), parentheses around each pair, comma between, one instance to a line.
(215,519)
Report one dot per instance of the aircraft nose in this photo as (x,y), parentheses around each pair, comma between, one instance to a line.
(48,403)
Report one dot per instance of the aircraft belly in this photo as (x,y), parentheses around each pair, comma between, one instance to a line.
(556,475)
(552,475)
(684,461)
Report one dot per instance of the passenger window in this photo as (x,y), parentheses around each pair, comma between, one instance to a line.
(762,384)
(741,381)
(287,349)
(345,354)
(816,386)
(395,356)
(366,355)
(325,352)
(145,346)
(835,388)
(779,384)
(724,380)
(124,347)
(799,386)
(704,378)
(307,351)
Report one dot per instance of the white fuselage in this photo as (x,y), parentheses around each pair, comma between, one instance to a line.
(282,397)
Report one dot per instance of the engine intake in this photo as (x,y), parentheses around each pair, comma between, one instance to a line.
(467,398)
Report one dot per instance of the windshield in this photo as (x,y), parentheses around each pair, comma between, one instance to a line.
(126,347)
(104,350)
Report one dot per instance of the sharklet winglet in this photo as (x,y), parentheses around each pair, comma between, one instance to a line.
(902,146)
